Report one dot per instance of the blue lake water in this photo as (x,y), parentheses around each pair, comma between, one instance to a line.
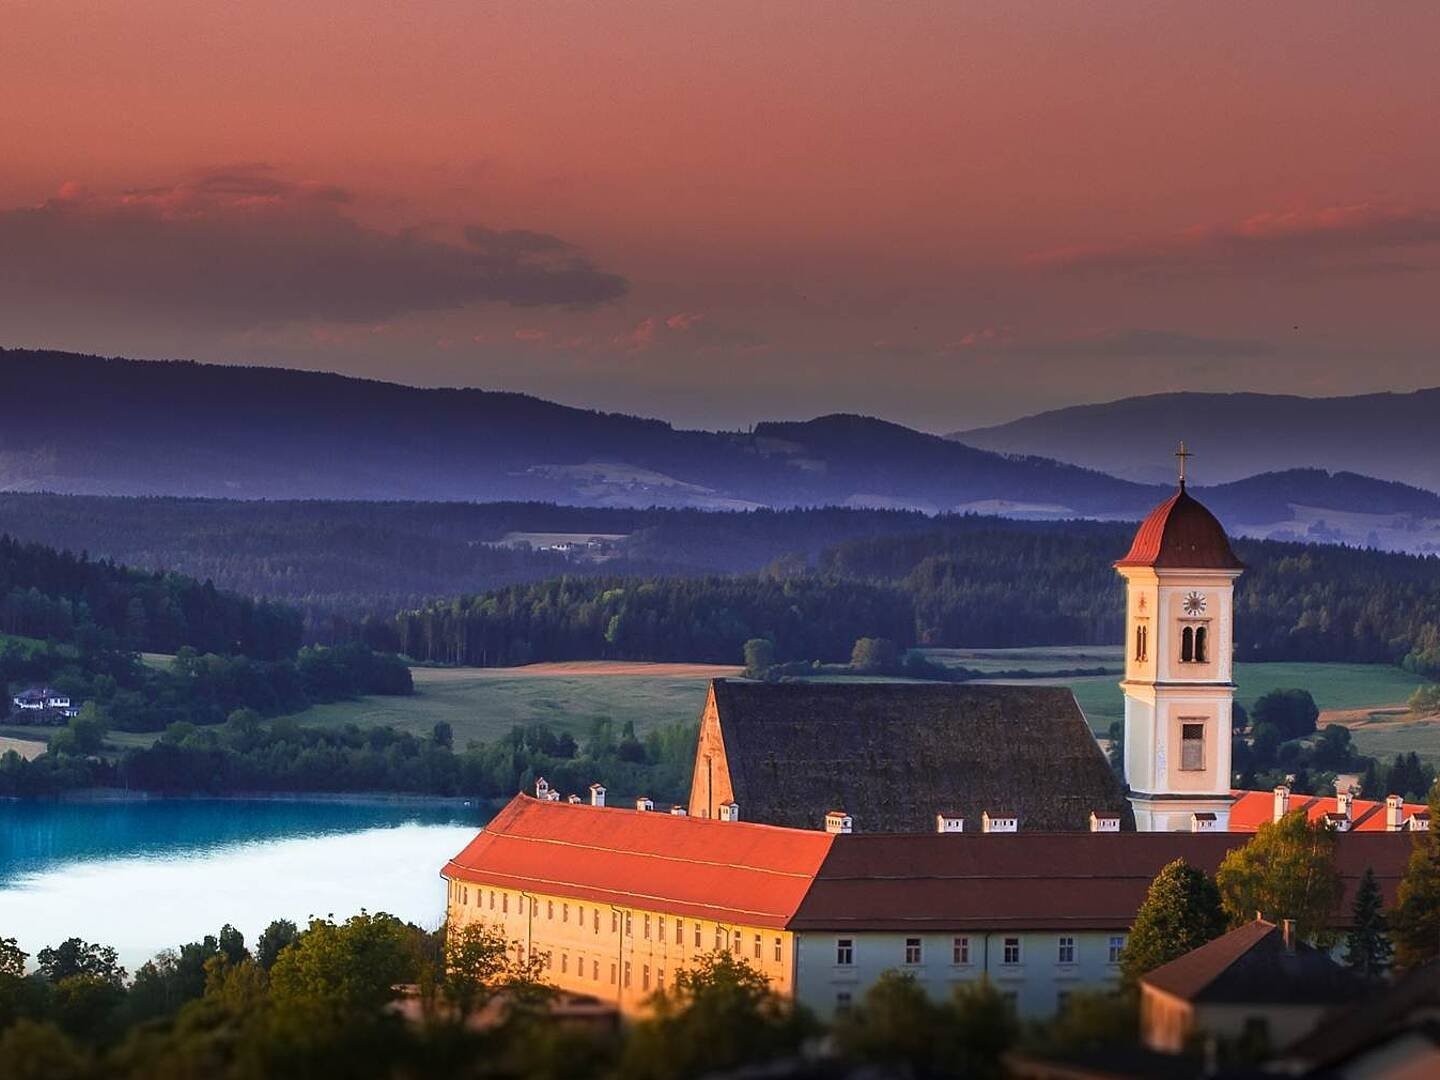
(148,875)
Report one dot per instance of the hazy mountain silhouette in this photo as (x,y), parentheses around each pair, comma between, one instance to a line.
(1391,436)
(90,425)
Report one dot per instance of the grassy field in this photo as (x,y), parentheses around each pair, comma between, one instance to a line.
(483,703)
(1336,687)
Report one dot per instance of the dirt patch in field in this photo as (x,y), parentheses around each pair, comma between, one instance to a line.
(28,749)
(580,669)
(1373,717)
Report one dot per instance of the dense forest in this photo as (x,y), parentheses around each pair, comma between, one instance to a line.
(700,619)
(45,593)
(976,582)
(247,755)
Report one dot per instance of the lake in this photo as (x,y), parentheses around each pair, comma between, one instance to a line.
(153,874)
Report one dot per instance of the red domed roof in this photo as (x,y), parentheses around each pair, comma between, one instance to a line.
(1181,534)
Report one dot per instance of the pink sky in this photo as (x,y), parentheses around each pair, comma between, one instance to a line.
(943,213)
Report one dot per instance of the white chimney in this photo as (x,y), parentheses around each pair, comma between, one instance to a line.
(729,811)
(1204,821)
(837,821)
(946,823)
(1282,802)
(1394,809)
(644,803)
(679,811)
(999,822)
(542,789)
(1106,822)
(1345,804)
(573,800)
(597,794)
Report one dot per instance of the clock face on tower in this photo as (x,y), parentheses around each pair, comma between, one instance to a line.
(1194,604)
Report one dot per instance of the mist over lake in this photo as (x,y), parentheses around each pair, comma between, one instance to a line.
(148,875)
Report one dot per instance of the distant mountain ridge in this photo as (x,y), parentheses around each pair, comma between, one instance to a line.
(1393,436)
(95,426)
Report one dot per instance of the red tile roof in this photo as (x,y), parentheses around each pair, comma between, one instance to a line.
(727,871)
(1181,533)
(1253,808)
(1033,881)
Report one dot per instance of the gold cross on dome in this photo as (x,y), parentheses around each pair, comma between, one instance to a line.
(1182,454)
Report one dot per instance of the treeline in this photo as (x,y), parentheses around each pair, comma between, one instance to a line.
(53,594)
(247,756)
(200,689)
(700,619)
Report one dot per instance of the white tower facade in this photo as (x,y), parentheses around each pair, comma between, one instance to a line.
(1179,691)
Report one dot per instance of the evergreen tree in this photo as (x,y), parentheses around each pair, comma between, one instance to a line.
(1417,905)
(1367,946)
(1181,912)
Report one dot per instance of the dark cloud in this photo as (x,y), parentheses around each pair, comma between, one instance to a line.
(1132,344)
(246,246)
(1362,238)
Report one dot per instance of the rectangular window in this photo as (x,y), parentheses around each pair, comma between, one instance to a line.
(718,945)
(845,951)
(660,979)
(612,974)
(597,920)
(961,951)
(629,925)
(843,1001)
(697,935)
(550,909)
(1011,1000)
(564,964)
(627,974)
(779,953)
(912,950)
(1011,954)
(647,928)
(595,970)
(1192,746)
(492,899)
(1065,954)
(564,913)
(660,929)
(645,977)
(679,931)
(504,903)
(757,946)
(614,922)
(737,939)
(1117,946)
(1062,999)
(464,894)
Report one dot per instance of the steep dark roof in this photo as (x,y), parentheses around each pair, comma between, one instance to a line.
(1180,533)
(1250,965)
(893,755)
(1409,1005)
(1036,881)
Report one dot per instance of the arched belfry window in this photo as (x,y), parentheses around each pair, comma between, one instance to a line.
(1187,645)
(1201,643)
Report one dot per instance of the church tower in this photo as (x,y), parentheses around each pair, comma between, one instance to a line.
(1179,614)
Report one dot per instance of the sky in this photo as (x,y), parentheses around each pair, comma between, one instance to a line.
(945,214)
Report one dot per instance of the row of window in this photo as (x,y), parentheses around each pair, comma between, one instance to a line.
(623,969)
(845,1000)
(652,927)
(1010,950)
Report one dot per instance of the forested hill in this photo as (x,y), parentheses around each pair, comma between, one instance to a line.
(980,582)
(141,428)
(57,595)
(1392,436)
